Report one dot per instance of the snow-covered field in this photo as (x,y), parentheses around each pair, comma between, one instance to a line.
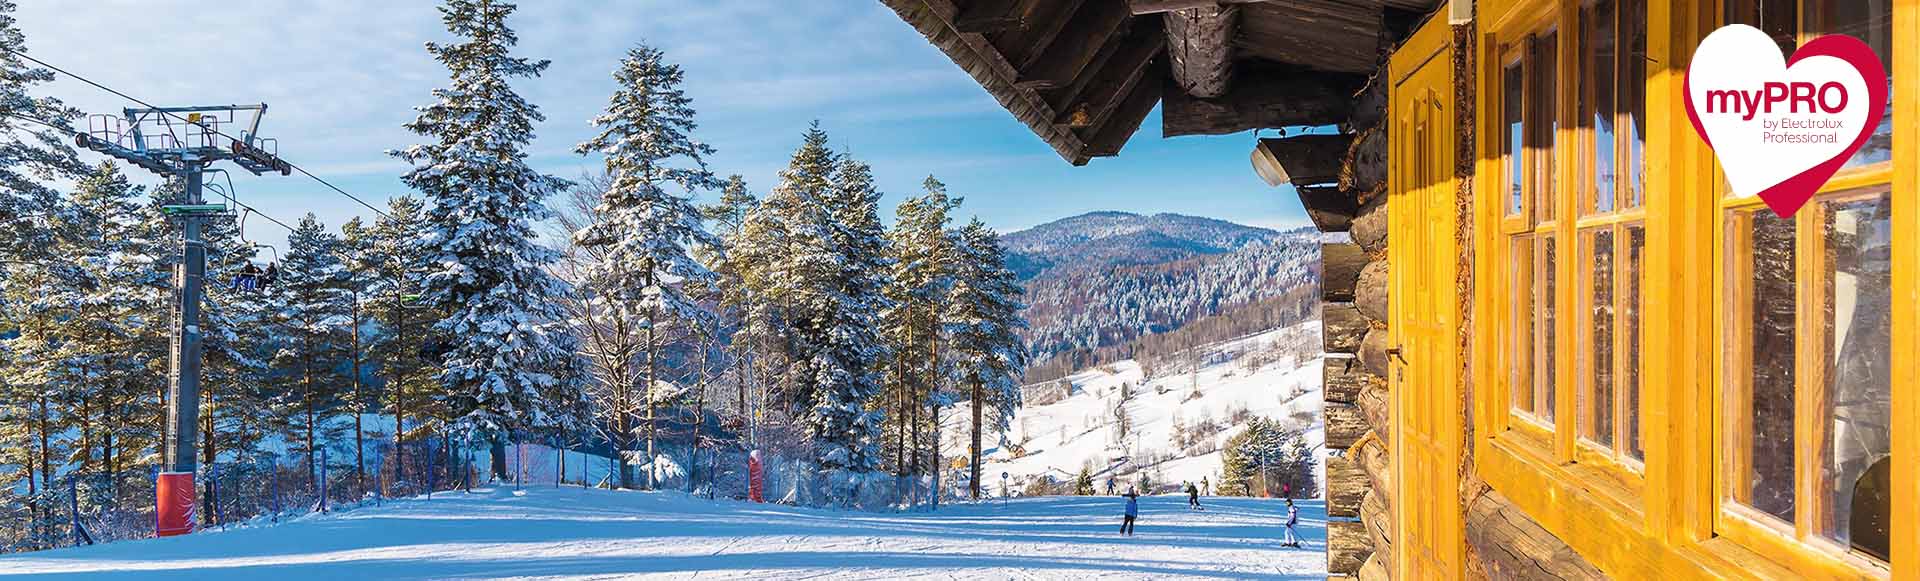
(1266,374)
(570,533)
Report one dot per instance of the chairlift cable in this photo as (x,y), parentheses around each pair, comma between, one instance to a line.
(303,171)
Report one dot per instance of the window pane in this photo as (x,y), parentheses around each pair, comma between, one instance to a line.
(1596,401)
(1870,21)
(1855,400)
(1543,329)
(1777,18)
(1633,97)
(1596,103)
(1545,121)
(1760,394)
(1522,336)
(1630,274)
(1511,108)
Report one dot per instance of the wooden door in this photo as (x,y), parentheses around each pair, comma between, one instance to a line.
(1428,414)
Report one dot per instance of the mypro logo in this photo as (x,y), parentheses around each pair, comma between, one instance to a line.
(1782,127)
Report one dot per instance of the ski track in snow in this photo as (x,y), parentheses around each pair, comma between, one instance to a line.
(573,533)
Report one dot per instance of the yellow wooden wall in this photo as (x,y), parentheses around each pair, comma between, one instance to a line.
(1660,523)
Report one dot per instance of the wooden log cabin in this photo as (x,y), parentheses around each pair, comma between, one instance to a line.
(1558,347)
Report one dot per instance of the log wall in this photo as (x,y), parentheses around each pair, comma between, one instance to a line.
(1503,542)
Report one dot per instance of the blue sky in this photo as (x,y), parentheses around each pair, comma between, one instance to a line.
(341,76)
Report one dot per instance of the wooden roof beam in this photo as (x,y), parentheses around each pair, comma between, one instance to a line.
(1108,86)
(1263,99)
(1159,6)
(985,16)
(1076,45)
(1200,48)
(1109,137)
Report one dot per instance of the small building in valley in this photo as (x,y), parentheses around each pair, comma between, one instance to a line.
(1559,347)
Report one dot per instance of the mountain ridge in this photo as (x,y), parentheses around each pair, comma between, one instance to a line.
(1113,238)
(1096,282)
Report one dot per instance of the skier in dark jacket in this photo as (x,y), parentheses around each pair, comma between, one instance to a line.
(1193,497)
(1133,511)
(1293,518)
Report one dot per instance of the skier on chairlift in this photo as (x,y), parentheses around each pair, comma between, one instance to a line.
(273,274)
(249,278)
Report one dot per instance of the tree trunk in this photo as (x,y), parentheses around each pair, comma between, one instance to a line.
(46,450)
(979,402)
(937,468)
(359,406)
(699,415)
(653,355)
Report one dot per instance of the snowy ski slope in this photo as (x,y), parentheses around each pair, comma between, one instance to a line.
(573,533)
(1060,436)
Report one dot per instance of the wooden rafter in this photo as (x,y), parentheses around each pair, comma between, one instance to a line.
(984,16)
(1109,136)
(1108,85)
(1022,46)
(989,67)
(1076,45)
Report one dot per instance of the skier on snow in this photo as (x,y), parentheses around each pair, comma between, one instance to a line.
(1133,511)
(1293,518)
(1193,497)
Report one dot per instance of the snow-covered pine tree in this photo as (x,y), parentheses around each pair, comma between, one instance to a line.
(923,253)
(508,361)
(356,241)
(394,267)
(793,230)
(848,353)
(118,337)
(310,323)
(984,322)
(735,298)
(644,234)
(32,154)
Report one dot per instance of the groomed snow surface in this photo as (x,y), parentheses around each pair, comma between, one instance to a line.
(574,533)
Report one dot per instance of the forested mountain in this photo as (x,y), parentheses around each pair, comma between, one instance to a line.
(1105,279)
(1111,239)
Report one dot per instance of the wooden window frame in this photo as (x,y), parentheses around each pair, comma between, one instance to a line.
(1618,221)
(1669,527)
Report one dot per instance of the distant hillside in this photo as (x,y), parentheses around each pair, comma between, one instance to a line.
(1105,279)
(1113,239)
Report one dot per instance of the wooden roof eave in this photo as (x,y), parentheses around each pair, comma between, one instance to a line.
(973,53)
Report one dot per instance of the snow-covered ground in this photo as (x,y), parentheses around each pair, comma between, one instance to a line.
(1274,374)
(564,533)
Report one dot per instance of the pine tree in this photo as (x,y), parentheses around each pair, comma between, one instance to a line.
(394,267)
(33,152)
(984,321)
(508,361)
(849,353)
(311,324)
(644,233)
(923,255)
(113,339)
(735,299)
(356,241)
(1083,484)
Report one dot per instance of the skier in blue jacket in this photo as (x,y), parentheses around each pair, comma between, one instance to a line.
(1133,511)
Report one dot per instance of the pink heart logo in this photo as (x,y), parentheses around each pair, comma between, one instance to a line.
(1782,127)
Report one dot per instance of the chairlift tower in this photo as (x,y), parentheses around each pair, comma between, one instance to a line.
(182,142)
